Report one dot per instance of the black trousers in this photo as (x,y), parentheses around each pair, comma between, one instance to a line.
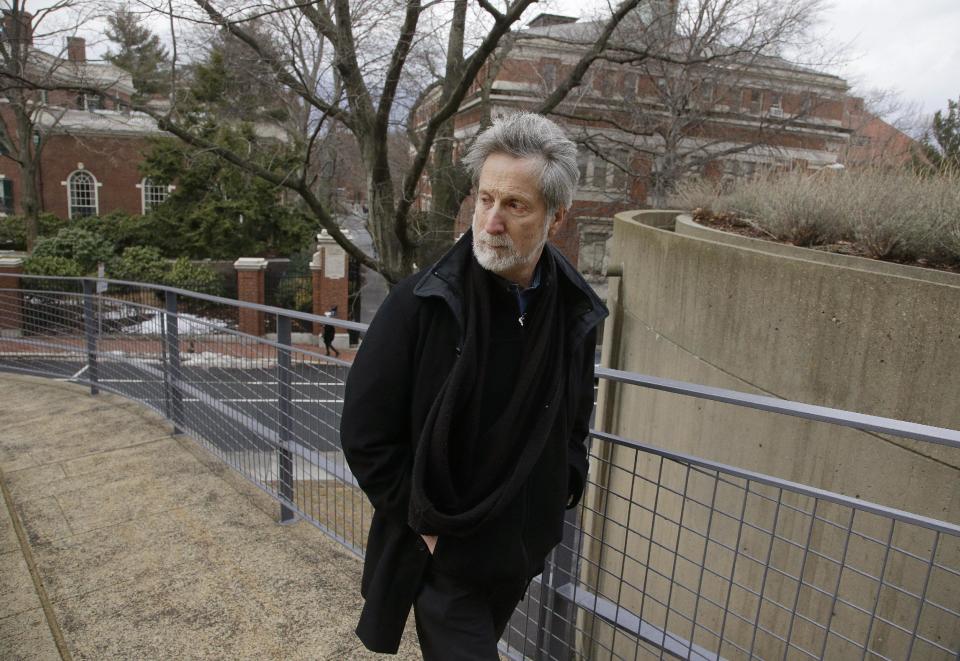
(458,621)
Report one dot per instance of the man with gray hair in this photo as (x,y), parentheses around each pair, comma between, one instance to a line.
(467,407)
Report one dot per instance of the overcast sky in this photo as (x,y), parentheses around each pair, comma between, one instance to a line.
(911,47)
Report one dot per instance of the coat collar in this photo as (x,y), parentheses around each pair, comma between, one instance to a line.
(444,280)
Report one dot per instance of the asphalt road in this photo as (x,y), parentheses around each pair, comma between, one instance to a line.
(234,408)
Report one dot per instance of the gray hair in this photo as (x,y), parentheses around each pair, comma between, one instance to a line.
(524,135)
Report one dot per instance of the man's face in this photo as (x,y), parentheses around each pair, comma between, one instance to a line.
(510,224)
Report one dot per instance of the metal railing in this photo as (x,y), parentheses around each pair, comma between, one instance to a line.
(668,555)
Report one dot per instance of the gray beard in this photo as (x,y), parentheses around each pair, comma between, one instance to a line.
(499,261)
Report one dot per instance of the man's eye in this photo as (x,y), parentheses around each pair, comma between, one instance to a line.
(517,206)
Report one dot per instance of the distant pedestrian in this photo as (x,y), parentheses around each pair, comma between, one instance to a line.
(329,332)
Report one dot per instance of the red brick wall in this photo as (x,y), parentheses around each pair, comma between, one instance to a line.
(250,289)
(113,161)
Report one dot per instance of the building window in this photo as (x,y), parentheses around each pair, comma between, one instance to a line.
(82,190)
(550,75)
(153,194)
(620,169)
(582,159)
(604,83)
(6,197)
(89,102)
(707,92)
(599,173)
(776,104)
(630,86)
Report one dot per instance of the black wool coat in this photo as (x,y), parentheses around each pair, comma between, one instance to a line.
(406,355)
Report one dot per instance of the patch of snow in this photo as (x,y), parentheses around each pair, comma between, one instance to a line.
(187,324)
(210,359)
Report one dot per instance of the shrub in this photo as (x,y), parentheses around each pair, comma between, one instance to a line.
(13,230)
(125,230)
(139,264)
(63,267)
(888,214)
(85,248)
(195,277)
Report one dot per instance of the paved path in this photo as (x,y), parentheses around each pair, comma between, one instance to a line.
(118,541)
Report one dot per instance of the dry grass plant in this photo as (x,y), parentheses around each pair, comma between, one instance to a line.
(887,214)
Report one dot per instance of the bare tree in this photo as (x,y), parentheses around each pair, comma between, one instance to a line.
(370,65)
(886,129)
(28,77)
(689,70)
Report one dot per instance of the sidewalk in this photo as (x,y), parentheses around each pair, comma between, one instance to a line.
(118,541)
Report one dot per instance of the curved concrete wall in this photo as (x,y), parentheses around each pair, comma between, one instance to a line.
(684,225)
(739,316)
(746,319)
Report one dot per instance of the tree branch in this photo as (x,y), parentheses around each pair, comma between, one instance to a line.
(452,104)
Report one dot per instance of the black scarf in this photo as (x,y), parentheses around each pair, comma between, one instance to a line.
(450,496)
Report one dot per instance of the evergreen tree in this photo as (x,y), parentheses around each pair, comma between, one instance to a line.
(140,52)
(946,133)
(219,210)
(940,146)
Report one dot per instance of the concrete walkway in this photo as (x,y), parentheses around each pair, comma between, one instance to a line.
(118,541)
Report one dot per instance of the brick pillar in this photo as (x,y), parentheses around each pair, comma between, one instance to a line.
(330,282)
(11,302)
(251,273)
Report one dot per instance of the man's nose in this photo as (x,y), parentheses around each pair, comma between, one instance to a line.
(493,220)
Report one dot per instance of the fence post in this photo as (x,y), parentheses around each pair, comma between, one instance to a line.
(556,630)
(285,418)
(90,332)
(250,289)
(172,367)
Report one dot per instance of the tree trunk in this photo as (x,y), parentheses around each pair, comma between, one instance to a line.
(397,258)
(449,186)
(29,158)
(449,183)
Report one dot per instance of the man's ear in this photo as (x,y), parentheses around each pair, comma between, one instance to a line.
(557,222)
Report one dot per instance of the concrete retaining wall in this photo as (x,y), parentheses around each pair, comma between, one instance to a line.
(821,332)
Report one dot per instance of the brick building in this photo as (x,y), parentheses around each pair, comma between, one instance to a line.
(874,142)
(90,143)
(771,114)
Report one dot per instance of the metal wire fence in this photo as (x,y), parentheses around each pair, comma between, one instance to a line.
(667,556)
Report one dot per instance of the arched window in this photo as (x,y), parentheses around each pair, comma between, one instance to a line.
(153,194)
(82,191)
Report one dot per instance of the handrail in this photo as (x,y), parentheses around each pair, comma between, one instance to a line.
(901,428)
(912,430)
(292,314)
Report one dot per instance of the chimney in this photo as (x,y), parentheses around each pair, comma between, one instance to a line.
(18,27)
(76,49)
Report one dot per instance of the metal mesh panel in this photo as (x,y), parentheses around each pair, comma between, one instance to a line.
(677,559)
(666,556)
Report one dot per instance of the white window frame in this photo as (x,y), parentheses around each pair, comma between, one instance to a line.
(96,191)
(143,185)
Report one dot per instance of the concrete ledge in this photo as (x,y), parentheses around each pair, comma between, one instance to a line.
(150,548)
(685,225)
